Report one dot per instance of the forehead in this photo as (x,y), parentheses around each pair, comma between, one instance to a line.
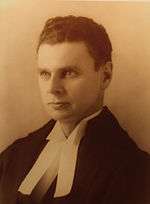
(64,54)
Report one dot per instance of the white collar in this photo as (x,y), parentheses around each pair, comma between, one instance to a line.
(59,150)
(68,158)
(57,133)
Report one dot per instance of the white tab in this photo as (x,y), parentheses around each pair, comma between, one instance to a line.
(47,158)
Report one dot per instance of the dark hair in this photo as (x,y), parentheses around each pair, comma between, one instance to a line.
(75,29)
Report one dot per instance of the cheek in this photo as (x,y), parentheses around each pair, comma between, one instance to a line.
(83,89)
(43,88)
(42,85)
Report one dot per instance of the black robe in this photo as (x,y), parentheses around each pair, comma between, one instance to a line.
(110,168)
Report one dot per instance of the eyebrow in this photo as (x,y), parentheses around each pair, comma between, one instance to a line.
(61,68)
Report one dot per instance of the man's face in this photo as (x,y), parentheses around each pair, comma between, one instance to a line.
(71,88)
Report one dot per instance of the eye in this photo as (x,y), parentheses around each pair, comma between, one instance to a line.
(44,75)
(69,74)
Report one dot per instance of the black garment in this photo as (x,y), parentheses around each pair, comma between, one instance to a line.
(110,168)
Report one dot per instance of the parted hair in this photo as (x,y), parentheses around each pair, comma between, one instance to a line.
(75,29)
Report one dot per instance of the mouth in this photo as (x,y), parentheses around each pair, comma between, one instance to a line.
(58,105)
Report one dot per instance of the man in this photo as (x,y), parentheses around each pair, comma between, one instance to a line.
(82,156)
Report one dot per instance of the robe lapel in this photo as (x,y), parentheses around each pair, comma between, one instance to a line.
(95,159)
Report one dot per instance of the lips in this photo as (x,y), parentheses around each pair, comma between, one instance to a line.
(59,105)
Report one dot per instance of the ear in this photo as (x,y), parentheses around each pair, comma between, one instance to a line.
(106,71)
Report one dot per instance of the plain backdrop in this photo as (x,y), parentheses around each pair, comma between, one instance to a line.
(128,25)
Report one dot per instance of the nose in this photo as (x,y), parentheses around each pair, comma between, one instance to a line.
(55,86)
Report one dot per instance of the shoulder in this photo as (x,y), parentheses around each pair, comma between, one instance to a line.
(19,157)
(126,165)
(27,143)
(110,139)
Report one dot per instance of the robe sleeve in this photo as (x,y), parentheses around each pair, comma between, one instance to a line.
(5,175)
(2,175)
(130,184)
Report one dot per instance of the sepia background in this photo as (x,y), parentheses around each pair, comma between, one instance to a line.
(128,25)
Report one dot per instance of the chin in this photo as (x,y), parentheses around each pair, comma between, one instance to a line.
(60,116)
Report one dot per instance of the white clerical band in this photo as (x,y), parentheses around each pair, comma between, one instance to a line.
(67,162)
(46,160)
(58,158)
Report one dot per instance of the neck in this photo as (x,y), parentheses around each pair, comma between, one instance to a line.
(69,125)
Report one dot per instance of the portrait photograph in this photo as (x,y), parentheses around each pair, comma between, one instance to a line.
(74,102)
